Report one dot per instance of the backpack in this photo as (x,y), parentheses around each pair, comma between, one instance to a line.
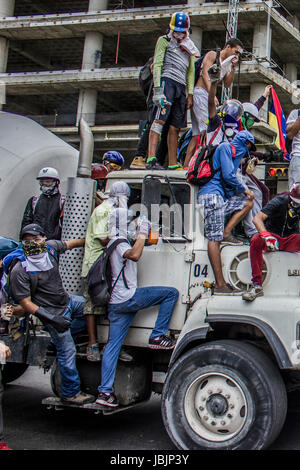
(183,144)
(145,77)
(99,276)
(201,169)
(198,65)
(289,142)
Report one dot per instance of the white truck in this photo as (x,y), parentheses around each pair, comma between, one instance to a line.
(225,384)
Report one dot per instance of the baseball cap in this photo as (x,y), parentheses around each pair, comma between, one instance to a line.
(32,229)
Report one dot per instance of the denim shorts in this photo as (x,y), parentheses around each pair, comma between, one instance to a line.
(215,210)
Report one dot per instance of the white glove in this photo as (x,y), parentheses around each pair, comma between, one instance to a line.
(143,226)
(159,98)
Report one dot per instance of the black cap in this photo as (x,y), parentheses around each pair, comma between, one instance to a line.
(32,229)
(253,146)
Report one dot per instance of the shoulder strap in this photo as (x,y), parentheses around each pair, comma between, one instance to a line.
(233,148)
(34,202)
(215,134)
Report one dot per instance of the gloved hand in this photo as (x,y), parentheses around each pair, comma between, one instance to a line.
(59,322)
(270,240)
(143,226)
(159,98)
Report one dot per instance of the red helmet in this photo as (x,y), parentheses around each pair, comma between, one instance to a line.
(99,171)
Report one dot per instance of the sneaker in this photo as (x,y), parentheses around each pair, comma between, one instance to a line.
(93,353)
(138,163)
(153,165)
(161,342)
(253,292)
(227,290)
(231,240)
(3,446)
(80,399)
(107,399)
(124,356)
(175,167)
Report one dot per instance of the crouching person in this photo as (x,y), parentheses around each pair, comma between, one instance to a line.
(220,197)
(35,283)
(127,299)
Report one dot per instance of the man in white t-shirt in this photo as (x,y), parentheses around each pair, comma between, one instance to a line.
(127,299)
(293,133)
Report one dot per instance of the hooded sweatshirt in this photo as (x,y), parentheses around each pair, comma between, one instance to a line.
(225,182)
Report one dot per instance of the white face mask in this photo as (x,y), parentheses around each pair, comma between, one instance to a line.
(40,262)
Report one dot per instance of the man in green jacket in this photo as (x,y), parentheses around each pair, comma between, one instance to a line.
(173,77)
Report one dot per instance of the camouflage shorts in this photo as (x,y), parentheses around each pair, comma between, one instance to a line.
(89,308)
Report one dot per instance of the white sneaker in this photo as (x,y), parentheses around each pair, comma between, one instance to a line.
(252,293)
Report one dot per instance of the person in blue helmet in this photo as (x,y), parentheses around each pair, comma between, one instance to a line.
(220,198)
(113,160)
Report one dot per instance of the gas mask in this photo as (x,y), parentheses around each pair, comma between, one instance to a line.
(294,210)
(247,121)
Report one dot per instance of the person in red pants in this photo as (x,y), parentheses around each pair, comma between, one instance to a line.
(278,230)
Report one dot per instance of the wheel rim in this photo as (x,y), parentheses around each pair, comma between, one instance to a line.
(215,407)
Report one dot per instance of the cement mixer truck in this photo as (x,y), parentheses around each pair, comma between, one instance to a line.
(225,384)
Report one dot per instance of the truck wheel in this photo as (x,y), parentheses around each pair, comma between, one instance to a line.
(12,371)
(224,395)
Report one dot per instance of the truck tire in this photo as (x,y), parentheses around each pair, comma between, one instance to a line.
(12,371)
(224,395)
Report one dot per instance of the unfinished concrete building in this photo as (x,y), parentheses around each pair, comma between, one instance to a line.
(60,60)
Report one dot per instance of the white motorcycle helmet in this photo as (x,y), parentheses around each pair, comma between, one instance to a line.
(48,172)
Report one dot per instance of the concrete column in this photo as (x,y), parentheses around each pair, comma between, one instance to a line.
(256,91)
(91,59)
(261,46)
(196,37)
(6,9)
(291,73)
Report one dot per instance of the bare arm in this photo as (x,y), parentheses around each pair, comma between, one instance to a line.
(293,128)
(259,220)
(75,243)
(208,60)
(136,251)
(28,306)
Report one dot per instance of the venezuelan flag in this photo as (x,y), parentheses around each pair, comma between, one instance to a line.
(277,120)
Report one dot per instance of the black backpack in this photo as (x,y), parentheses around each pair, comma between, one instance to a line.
(198,65)
(99,276)
(145,77)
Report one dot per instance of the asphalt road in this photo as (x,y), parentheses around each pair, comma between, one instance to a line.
(30,426)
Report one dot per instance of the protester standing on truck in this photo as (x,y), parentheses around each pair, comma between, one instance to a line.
(35,283)
(46,209)
(218,199)
(227,60)
(127,299)
(293,133)
(96,234)
(173,76)
(278,229)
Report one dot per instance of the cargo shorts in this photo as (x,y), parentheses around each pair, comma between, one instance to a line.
(215,210)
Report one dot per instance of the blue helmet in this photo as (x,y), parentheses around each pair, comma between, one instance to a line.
(112,156)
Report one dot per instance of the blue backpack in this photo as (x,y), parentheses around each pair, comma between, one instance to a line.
(183,144)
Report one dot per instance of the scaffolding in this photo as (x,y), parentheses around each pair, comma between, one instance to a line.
(231,32)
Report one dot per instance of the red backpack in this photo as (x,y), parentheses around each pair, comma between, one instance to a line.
(201,170)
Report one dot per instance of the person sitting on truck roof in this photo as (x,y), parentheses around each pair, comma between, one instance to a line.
(218,199)
(278,229)
(96,234)
(35,283)
(47,208)
(127,299)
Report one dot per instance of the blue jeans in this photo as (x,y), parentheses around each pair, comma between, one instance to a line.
(120,317)
(65,346)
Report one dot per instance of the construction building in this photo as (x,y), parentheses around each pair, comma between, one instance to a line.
(60,60)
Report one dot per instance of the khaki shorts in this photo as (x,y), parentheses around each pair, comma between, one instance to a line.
(89,308)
